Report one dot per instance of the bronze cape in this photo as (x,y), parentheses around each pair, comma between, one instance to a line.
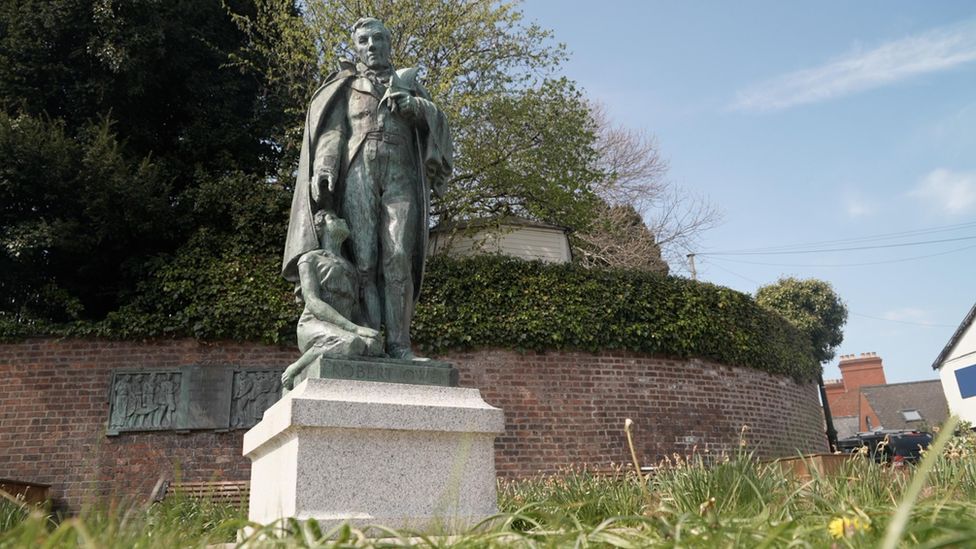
(432,145)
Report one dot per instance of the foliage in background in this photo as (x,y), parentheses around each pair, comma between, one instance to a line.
(147,151)
(528,142)
(113,117)
(493,301)
(219,290)
(524,137)
(223,283)
(812,306)
(78,218)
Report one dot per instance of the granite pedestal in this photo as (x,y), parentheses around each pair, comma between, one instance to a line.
(410,457)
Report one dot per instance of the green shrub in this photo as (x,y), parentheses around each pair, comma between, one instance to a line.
(211,292)
(492,301)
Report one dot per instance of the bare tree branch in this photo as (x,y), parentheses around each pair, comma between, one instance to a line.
(647,221)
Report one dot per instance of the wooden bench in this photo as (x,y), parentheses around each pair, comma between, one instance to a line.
(32,493)
(232,492)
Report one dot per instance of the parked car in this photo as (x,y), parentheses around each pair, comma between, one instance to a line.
(888,445)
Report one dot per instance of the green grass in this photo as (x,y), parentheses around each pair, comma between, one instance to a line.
(691,501)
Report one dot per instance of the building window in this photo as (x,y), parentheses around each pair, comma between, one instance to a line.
(966,379)
(911,415)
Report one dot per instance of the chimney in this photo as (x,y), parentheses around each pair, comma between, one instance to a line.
(861,371)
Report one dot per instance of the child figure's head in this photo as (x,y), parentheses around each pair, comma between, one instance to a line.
(332,229)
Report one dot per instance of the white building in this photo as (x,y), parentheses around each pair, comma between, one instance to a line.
(957,368)
(512,236)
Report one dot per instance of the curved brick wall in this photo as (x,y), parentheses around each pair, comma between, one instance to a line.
(566,408)
(561,408)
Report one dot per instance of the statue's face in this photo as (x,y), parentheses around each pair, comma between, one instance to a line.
(372,44)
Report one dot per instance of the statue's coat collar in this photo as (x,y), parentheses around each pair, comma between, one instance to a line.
(367,81)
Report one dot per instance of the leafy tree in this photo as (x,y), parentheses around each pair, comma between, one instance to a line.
(528,142)
(527,153)
(524,138)
(156,69)
(78,218)
(225,281)
(812,306)
(816,310)
(112,116)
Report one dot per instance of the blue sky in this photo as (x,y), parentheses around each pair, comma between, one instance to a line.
(805,123)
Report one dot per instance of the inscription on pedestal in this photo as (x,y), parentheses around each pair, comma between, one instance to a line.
(385,370)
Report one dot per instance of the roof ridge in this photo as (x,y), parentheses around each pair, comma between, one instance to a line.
(902,383)
(956,336)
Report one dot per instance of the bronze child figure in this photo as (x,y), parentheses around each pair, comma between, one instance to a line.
(329,287)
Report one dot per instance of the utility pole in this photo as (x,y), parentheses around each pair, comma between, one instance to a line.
(691,263)
(829,420)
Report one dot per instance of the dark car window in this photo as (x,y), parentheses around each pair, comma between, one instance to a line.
(888,446)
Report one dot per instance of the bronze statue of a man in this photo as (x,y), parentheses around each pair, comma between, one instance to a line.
(374,148)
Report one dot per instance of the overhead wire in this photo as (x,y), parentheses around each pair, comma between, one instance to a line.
(853,248)
(923,324)
(861,264)
(731,272)
(926,324)
(869,238)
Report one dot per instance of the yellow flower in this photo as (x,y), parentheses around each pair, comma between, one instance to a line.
(844,526)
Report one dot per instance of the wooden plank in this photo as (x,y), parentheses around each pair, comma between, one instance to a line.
(227,491)
(31,492)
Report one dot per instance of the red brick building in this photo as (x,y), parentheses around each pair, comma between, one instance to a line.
(844,395)
(862,400)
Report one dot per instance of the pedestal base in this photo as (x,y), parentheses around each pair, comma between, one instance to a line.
(411,457)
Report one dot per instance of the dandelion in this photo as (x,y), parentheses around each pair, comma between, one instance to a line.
(706,506)
(846,527)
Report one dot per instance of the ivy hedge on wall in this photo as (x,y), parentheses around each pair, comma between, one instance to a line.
(491,301)
(485,301)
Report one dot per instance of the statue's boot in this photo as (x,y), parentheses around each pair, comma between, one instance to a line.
(398,309)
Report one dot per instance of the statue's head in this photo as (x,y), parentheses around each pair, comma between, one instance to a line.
(331,228)
(371,39)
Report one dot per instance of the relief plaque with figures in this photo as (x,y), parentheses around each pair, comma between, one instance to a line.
(193,397)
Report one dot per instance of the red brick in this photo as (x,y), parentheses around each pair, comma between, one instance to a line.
(561,409)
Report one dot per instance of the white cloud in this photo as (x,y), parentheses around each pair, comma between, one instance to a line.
(908,314)
(936,50)
(948,192)
(856,205)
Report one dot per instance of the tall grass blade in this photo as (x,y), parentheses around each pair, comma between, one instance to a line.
(897,526)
